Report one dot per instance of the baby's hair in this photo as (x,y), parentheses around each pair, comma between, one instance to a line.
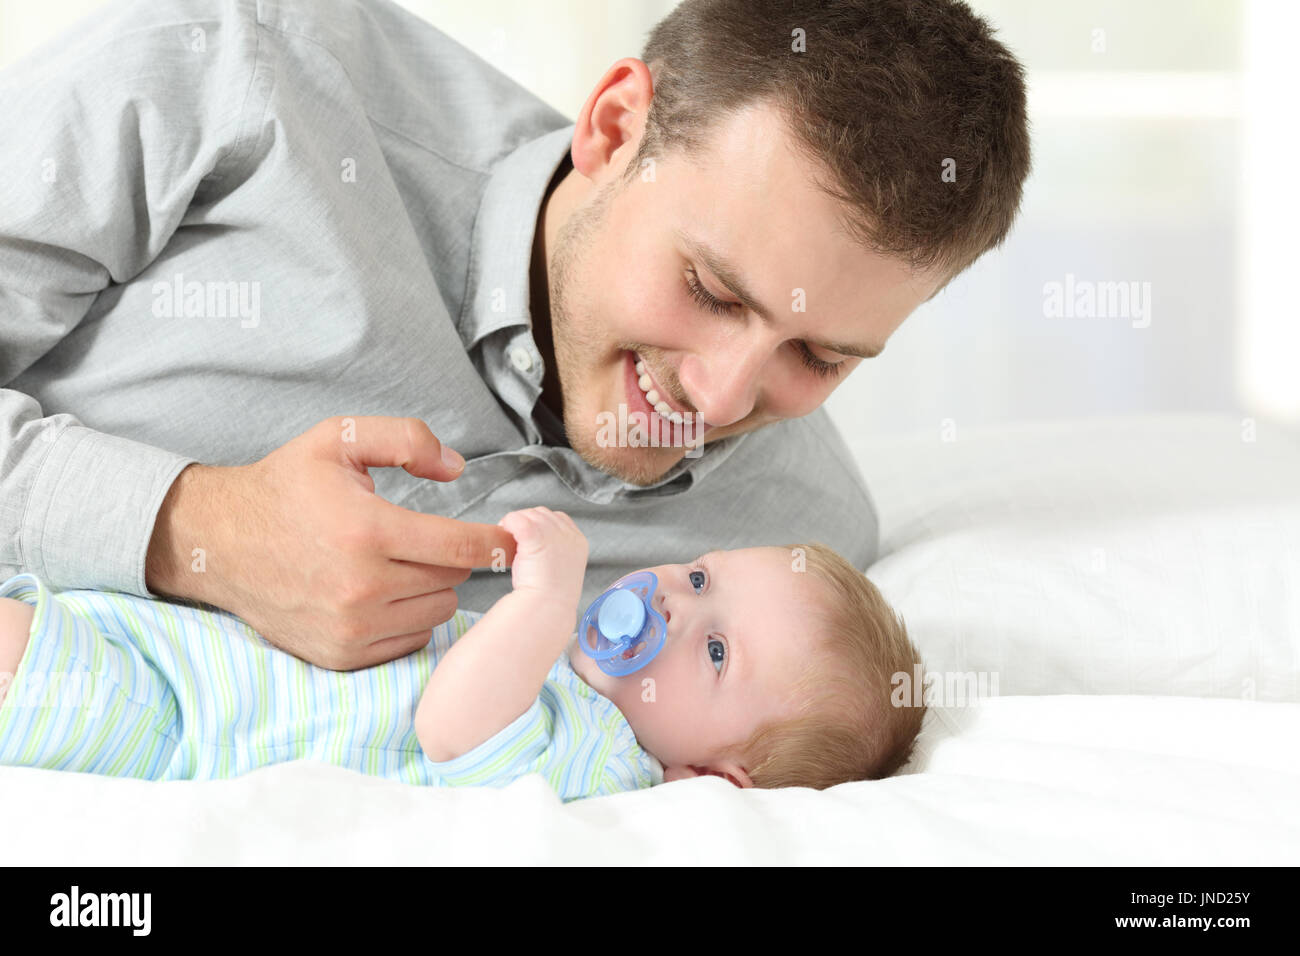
(846,727)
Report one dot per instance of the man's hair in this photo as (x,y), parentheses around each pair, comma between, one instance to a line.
(884,95)
(845,726)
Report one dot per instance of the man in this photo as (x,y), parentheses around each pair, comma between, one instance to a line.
(250,251)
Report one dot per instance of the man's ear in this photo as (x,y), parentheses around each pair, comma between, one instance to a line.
(726,770)
(612,118)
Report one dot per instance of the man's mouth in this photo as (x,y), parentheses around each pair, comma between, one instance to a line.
(647,396)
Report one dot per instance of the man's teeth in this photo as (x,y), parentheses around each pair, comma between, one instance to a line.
(653,397)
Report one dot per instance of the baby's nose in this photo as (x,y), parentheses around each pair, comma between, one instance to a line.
(661,605)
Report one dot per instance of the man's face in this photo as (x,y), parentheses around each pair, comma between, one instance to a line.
(633,269)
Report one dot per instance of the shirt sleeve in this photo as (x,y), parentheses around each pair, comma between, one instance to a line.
(110,134)
(570,735)
(505,756)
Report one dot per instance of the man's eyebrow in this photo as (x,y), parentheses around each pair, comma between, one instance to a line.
(730,277)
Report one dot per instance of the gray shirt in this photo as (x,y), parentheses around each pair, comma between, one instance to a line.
(221,222)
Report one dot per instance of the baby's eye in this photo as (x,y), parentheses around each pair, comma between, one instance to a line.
(717,652)
(697,580)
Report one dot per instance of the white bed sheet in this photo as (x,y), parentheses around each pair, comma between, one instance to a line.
(1015,780)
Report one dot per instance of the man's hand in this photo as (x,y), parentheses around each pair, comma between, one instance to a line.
(300,546)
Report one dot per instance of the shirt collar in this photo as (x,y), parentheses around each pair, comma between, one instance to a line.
(501,249)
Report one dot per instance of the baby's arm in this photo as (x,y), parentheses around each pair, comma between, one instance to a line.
(15,623)
(492,675)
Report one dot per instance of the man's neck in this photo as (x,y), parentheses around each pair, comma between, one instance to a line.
(549,217)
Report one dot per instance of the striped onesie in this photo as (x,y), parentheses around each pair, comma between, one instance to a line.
(116,684)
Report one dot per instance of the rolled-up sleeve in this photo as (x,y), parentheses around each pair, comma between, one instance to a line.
(110,134)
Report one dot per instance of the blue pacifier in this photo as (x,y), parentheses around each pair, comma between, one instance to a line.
(621,628)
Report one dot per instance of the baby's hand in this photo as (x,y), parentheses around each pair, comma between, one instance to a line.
(550,557)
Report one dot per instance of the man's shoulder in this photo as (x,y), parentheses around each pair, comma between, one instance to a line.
(405,74)
(413,79)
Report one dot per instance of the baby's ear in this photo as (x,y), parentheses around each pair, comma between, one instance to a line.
(733,773)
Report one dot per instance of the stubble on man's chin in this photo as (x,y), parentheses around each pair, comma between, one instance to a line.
(636,466)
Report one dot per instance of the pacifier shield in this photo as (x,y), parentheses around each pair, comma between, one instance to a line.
(621,630)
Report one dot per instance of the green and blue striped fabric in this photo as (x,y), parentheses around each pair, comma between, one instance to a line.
(116,684)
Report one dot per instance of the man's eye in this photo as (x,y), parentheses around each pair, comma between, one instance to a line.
(819,367)
(705,298)
(697,580)
(717,653)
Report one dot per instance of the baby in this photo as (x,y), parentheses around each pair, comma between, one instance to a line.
(776,671)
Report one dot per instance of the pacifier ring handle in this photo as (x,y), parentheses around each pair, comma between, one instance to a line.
(621,617)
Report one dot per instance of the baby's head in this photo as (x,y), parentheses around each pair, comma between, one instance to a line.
(776,672)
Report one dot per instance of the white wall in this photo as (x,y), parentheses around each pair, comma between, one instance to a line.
(1163,135)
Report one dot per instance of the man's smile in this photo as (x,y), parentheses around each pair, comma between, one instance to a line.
(645,395)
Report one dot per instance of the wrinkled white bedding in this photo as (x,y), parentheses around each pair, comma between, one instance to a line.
(1049,780)
(1134,585)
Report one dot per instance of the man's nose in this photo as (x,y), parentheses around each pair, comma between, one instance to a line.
(723,382)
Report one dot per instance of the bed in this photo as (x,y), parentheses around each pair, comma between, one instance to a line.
(1114,605)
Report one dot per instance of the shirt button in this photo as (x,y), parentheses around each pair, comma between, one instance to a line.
(520,358)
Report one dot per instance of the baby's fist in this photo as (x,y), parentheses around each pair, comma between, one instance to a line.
(550,554)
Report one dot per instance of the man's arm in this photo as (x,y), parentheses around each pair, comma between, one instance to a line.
(109,132)
(495,671)
(110,135)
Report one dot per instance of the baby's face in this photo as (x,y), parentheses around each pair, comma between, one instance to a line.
(739,636)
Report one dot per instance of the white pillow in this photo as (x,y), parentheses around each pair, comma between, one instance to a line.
(1151,555)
